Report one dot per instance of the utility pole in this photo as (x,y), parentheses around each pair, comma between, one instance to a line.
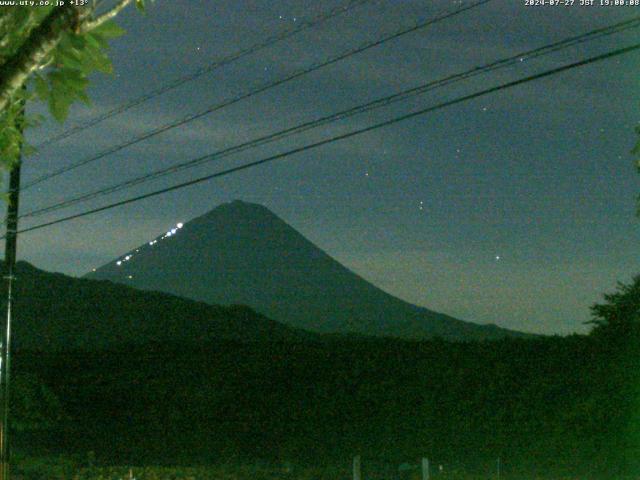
(11,240)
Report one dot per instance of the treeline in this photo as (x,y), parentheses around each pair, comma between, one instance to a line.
(549,405)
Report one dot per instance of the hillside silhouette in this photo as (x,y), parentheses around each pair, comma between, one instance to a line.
(56,312)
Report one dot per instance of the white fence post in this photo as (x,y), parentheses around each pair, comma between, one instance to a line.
(425,469)
(357,474)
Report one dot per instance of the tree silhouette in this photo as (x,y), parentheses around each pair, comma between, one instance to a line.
(619,316)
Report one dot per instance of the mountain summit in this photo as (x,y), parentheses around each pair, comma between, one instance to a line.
(242,253)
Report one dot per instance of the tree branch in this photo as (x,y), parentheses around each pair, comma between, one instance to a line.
(89,25)
(41,42)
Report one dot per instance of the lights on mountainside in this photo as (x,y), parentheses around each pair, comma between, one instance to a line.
(125,259)
(173,231)
(169,233)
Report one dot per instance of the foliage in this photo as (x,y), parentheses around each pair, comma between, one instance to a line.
(555,406)
(76,56)
(45,467)
(66,313)
(60,77)
(64,468)
(620,314)
(549,407)
(33,405)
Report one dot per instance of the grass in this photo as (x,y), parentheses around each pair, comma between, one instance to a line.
(63,468)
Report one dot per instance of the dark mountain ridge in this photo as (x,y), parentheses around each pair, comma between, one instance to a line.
(55,312)
(242,253)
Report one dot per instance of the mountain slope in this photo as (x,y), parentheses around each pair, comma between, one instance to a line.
(55,312)
(241,253)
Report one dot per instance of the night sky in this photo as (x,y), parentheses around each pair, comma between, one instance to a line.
(516,208)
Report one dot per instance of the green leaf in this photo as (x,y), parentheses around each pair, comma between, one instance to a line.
(102,63)
(78,41)
(42,87)
(71,59)
(57,108)
(67,85)
(108,30)
(61,96)
(94,58)
(96,41)
(140,5)
(74,79)
(84,98)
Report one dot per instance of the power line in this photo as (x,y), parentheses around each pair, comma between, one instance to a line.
(251,93)
(267,86)
(269,41)
(380,102)
(344,136)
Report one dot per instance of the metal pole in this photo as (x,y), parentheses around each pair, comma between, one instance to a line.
(10,263)
(425,468)
(357,474)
